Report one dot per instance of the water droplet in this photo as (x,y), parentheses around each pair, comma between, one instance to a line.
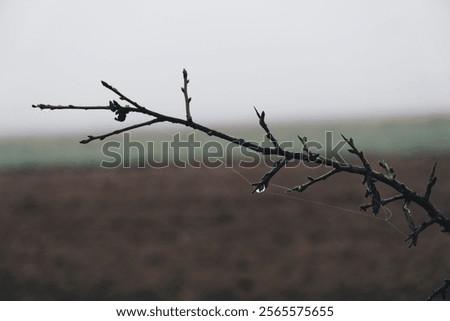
(261,189)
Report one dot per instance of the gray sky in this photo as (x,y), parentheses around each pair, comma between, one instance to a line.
(297,60)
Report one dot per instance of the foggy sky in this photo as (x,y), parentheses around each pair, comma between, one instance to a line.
(297,60)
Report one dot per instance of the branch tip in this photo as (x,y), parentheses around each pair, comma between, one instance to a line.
(303,139)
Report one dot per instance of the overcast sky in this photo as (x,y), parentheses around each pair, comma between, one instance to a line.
(297,60)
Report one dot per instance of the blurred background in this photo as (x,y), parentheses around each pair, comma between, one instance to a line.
(378,71)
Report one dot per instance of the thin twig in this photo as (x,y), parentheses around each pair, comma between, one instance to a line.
(264,126)
(356,151)
(390,173)
(370,176)
(102,137)
(264,181)
(312,181)
(53,107)
(442,290)
(383,202)
(364,171)
(187,99)
(122,96)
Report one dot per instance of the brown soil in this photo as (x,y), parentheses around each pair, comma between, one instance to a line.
(198,234)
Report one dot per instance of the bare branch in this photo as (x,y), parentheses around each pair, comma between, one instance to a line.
(102,137)
(304,141)
(414,235)
(431,181)
(260,186)
(53,107)
(311,156)
(383,202)
(356,151)
(187,99)
(389,170)
(122,96)
(264,126)
(370,177)
(442,290)
(312,181)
